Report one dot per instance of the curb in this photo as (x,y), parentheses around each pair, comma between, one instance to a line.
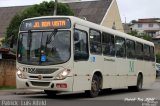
(21,92)
(26,92)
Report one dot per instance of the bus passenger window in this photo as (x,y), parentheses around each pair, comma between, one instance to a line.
(120,47)
(80,45)
(146,52)
(139,51)
(130,48)
(152,54)
(108,45)
(95,42)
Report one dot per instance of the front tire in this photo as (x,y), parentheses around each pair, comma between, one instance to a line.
(95,87)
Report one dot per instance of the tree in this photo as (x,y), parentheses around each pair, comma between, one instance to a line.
(158,58)
(133,33)
(42,9)
(144,36)
(133,21)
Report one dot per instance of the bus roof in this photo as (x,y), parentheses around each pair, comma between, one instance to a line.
(97,27)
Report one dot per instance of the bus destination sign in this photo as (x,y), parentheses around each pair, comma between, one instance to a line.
(43,24)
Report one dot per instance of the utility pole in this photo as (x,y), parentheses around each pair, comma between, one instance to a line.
(55,7)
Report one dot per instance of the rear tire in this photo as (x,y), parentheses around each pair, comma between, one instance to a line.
(139,85)
(95,87)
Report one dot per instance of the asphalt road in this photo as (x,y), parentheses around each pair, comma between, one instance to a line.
(149,96)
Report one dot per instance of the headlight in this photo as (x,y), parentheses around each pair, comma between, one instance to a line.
(63,74)
(21,74)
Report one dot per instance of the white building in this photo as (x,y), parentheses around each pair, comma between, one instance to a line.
(150,26)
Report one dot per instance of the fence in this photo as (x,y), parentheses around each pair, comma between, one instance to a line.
(7,72)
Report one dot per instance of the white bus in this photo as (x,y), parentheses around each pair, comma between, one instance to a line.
(65,53)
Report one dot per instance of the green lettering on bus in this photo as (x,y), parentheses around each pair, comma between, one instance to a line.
(131,66)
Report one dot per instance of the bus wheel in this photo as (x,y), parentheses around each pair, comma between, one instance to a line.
(50,93)
(139,85)
(95,87)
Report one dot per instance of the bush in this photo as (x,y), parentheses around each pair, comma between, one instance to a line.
(158,58)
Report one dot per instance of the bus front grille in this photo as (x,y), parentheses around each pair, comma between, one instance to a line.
(34,83)
(43,71)
(43,77)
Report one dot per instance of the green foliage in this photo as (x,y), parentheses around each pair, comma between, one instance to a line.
(158,57)
(7,87)
(43,9)
(146,37)
(141,35)
(133,33)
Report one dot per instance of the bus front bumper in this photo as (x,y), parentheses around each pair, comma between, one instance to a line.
(55,85)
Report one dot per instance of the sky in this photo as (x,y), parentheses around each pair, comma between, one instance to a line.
(129,9)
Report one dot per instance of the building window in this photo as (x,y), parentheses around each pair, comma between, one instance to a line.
(150,25)
(139,25)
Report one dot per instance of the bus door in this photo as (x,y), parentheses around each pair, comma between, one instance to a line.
(81,58)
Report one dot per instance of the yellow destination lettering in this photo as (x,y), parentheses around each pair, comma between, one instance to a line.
(46,24)
(36,25)
(58,23)
(63,23)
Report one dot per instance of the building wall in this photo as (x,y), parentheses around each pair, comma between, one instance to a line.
(112,16)
(145,26)
(7,73)
(154,31)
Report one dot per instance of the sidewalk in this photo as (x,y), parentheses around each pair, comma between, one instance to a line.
(21,92)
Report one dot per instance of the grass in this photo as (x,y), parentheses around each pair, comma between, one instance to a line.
(7,87)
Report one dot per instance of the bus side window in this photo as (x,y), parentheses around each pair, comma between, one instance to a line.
(120,47)
(139,51)
(146,52)
(108,45)
(95,42)
(130,48)
(152,55)
(80,45)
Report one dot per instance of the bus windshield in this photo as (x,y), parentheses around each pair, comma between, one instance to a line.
(44,48)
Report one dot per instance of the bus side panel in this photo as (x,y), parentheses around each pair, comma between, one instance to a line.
(109,70)
(149,72)
(122,71)
(84,71)
(134,66)
(82,79)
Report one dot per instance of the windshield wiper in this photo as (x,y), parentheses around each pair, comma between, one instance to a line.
(49,39)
